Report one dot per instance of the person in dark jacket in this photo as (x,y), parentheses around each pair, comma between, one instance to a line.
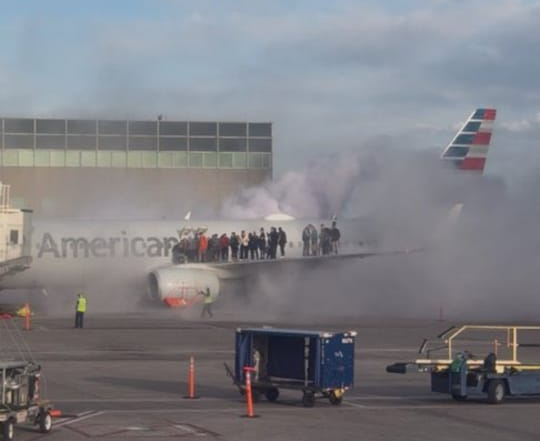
(273,242)
(282,241)
(314,242)
(262,244)
(324,240)
(224,247)
(306,239)
(253,245)
(335,235)
(234,244)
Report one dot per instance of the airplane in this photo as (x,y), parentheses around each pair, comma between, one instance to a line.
(75,252)
(469,148)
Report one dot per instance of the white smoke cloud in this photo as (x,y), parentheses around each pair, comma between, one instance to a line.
(484,268)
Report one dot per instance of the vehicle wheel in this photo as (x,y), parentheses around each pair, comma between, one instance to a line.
(45,422)
(458,397)
(496,392)
(8,430)
(336,397)
(308,399)
(272,394)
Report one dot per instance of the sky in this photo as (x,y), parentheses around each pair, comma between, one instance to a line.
(330,76)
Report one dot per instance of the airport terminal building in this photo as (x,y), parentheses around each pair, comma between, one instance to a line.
(137,169)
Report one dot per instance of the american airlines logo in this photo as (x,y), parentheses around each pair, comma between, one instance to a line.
(99,247)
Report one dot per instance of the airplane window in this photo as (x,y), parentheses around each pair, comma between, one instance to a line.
(14,237)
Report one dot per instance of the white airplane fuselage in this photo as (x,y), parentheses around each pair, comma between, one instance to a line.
(72,253)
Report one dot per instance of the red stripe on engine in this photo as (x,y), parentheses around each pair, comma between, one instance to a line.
(490,114)
(473,164)
(482,138)
(175,302)
(180,302)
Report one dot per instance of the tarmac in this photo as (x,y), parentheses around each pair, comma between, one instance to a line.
(126,376)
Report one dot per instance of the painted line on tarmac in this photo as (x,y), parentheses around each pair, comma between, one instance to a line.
(353,404)
(129,400)
(79,417)
(131,351)
(391,397)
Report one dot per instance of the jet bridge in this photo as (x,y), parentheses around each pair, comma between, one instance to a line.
(15,235)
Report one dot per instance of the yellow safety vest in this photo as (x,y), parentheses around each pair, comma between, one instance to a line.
(23,312)
(208,297)
(81,304)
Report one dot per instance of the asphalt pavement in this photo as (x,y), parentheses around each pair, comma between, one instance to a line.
(126,377)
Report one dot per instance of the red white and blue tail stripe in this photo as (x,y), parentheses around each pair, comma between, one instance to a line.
(469,148)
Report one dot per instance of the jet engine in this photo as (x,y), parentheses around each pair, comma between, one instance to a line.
(181,287)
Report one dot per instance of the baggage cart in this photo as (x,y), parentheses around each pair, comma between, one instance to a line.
(320,364)
(499,374)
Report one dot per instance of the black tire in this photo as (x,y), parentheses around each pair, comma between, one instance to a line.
(8,430)
(458,397)
(45,421)
(272,394)
(496,391)
(308,399)
(335,398)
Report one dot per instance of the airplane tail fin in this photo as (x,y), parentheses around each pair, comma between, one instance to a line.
(469,148)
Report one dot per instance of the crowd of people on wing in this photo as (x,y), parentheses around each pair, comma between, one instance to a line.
(198,247)
(321,243)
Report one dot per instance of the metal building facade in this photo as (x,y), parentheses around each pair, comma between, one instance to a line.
(88,168)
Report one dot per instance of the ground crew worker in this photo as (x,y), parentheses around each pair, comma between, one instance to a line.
(23,311)
(207,300)
(80,309)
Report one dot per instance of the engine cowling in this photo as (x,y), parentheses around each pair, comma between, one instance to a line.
(181,287)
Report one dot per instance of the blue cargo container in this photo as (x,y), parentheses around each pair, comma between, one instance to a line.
(315,362)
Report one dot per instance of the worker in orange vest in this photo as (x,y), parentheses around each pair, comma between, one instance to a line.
(203,246)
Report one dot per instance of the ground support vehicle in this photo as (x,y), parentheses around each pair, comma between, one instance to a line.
(496,376)
(15,234)
(19,398)
(316,363)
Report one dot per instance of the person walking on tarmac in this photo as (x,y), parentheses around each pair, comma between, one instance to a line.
(80,309)
(207,300)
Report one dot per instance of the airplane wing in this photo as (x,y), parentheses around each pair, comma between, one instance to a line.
(244,268)
(180,285)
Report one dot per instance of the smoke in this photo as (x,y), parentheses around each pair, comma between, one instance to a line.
(322,189)
(484,266)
